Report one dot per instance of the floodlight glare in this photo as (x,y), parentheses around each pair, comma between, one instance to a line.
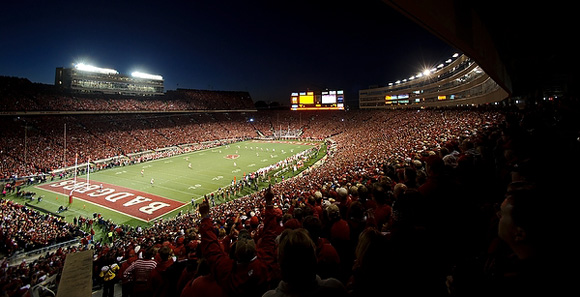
(146,75)
(91,68)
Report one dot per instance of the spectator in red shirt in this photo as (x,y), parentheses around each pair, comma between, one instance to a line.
(382,214)
(251,272)
(326,255)
(204,283)
(340,236)
(158,277)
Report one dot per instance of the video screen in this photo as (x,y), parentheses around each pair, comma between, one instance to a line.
(317,100)
(307,98)
(328,97)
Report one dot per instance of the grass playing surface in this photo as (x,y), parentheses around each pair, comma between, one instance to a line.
(178,178)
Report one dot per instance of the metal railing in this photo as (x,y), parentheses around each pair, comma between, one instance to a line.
(21,255)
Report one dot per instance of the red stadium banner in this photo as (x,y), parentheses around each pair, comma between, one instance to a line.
(137,204)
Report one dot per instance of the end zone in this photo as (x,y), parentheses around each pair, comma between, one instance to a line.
(136,204)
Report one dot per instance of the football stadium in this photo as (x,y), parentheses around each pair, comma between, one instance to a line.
(443,183)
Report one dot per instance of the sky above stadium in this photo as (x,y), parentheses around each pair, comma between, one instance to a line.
(268,48)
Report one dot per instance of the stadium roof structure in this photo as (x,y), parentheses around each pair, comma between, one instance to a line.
(524,47)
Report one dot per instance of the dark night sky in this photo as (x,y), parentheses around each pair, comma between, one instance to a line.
(268,48)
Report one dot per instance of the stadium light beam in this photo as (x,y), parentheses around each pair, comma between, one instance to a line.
(91,68)
(146,75)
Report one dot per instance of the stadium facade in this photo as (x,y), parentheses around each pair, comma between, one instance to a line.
(459,81)
(90,79)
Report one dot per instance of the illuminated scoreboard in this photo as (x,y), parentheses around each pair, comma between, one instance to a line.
(310,100)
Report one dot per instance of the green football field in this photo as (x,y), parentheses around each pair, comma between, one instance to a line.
(181,177)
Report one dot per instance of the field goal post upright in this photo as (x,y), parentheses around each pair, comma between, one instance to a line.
(70,196)
(88,172)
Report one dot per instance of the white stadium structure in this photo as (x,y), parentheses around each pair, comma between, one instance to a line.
(458,81)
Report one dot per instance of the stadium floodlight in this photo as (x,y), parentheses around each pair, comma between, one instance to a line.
(455,55)
(146,75)
(426,72)
(91,68)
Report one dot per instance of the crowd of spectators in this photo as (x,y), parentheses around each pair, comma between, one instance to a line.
(25,229)
(406,203)
(17,94)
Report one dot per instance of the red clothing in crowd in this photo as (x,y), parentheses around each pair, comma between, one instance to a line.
(203,286)
(241,279)
(340,231)
(327,258)
(157,278)
(383,215)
